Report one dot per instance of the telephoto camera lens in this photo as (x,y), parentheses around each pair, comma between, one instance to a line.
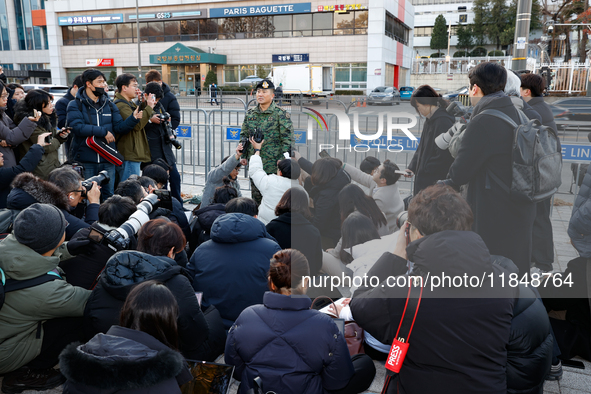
(101,178)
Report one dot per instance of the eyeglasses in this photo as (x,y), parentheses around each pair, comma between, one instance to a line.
(4,96)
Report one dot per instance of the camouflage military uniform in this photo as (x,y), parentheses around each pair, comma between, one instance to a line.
(275,123)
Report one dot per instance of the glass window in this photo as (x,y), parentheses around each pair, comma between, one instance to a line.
(261,26)
(4,40)
(109,34)
(126,32)
(344,23)
(208,29)
(361,18)
(172,30)
(302,25)
(189,28)
(231,74)
(322,24)
(282,22)
(95,34)
(79,34)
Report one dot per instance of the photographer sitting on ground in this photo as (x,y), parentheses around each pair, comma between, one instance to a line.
(83,270)
(229,167)
(38,321)
(159,241)
(65,193)
(203,218)
(271,186)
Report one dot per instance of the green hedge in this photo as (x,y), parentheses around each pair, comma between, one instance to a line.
(461,54)
(480,51)
(349,92)
(438,54)
(233,88)
(496,53)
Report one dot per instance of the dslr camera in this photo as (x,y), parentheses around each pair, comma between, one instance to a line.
(256,134)
(457,110)
(101,179)
(169,134)
(118,239)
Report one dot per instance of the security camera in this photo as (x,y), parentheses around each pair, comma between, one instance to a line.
(550,29)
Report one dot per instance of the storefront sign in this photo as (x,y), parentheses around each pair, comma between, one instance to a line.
(89,19)
(100,62)
(167,15)
(297,58)
(377,71)
(341,7)
(258,10)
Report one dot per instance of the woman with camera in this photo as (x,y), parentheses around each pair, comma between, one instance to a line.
(40,100)
(137,356)
(292,348)
(430,164)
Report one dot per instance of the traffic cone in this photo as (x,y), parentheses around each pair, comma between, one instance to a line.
(364,103)
(359,103)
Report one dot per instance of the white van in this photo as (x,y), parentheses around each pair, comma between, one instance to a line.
(57,91)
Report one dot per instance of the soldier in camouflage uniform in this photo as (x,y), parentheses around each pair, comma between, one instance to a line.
(275,124)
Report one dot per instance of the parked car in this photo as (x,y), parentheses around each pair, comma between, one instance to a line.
(250,80)
(579,108)
(406,92)
(57,91)
(453,96)
(384,95)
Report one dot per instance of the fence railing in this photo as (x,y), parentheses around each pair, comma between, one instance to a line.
(566,77)
(456,65)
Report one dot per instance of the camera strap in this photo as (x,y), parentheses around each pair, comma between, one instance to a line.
(400,343)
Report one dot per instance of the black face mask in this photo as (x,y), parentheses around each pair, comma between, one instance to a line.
(98,92)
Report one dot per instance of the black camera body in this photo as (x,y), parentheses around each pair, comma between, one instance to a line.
(48,139)
(165,199)
(257,135)
(169,135)
(101,179)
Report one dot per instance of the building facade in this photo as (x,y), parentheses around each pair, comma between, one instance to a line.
(24,47)
(367,43)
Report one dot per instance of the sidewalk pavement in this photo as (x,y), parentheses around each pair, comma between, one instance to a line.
(574,381)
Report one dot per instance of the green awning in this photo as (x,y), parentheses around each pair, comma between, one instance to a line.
(181,54)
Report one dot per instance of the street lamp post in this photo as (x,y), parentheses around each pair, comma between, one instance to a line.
(139,49)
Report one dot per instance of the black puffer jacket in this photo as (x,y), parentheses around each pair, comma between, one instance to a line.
(201,226)
(123,361)
(327,217)
(529,352)
(126,269)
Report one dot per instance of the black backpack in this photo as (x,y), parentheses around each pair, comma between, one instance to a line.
(8,285)
(536,159)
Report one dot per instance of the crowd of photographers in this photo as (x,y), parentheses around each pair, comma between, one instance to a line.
(104,272)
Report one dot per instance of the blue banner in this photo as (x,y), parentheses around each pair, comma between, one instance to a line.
(233,133)
(397,143)
(89,19)
(183,131)
(259,10)
(576,152)
(295,58)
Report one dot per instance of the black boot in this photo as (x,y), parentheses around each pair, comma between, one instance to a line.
(31,379)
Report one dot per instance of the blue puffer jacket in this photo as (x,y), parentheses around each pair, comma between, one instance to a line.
(292,348)
(579,227)
(231,268)
(89,119)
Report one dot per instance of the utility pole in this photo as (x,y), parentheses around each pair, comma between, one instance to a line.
(139,50)
(521,34)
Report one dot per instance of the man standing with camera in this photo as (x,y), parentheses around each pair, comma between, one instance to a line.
(133,145)
(273,124)
(168,104)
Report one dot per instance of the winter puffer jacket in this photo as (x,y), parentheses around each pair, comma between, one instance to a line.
(201,225)
(27,189)
(126,269)
(272,187)
(89,119)
(13,135)
(45,124)
(579,227)
(123,361)
(292,348)
(231,268)
(27,164)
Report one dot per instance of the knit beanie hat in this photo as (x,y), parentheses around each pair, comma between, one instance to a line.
(40,227)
